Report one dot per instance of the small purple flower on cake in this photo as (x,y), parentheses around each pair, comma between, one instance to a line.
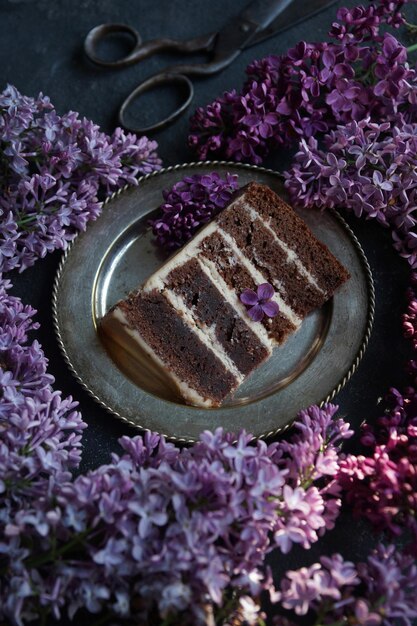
(260,302)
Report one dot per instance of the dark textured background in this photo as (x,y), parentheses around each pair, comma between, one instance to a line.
(41,50)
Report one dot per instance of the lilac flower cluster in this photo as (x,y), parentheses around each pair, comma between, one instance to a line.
(189,203)
(312,88)
(367,168)
(335,591)
(164,533)
(40,432)
(382,485)
(310,500)
(40,436)
(54,172)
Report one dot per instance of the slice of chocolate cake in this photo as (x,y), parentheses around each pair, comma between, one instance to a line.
(188,320)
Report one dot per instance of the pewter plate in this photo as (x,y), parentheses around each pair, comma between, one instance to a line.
(116,254)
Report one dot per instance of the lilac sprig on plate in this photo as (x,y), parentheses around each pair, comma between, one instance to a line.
(188,204)
(55,172)
(362,71)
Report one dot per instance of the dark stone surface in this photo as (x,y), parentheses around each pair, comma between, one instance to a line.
(41,50)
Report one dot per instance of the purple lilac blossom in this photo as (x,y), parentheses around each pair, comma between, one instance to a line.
(368,168)
(260,302)
(312,88)
(167,532)
(310,459)
(189,204)
(40,432)
(40,442)
(379,591)
(56,170)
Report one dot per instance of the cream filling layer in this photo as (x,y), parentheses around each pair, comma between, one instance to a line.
(291,255)
(206,334)
(185,390)
(258,278)
(191,251)
(211,271)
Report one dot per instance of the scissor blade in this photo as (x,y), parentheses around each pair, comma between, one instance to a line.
(240,30)
(297,12)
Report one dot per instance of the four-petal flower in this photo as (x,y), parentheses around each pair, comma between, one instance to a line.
(260,303)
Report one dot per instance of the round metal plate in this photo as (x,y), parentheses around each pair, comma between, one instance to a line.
(116,254)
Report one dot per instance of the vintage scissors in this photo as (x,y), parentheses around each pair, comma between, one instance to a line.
(259,20)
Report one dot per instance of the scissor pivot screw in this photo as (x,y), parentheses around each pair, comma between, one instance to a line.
(245,27)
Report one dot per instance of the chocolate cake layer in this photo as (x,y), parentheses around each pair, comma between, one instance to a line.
(294,232)
(210,309)
(260,246)
(188,317)
(238,278)
(188,358)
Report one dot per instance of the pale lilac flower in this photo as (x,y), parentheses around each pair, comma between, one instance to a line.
(378,591)
(177,528)
(380,182)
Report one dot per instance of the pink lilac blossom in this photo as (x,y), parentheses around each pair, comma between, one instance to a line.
(55,172)
(190,203)
(312,88)
(377,592)
(382,485)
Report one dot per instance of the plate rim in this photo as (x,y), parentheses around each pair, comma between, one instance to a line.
(194,165)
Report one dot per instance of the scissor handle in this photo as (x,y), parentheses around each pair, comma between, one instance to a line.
(99,33)
(140,50)
(162,78)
